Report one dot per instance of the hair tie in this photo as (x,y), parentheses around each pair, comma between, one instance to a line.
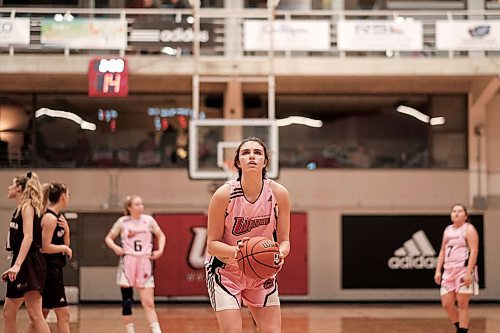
(29,174)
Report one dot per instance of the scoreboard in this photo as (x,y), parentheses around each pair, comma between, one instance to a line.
(108,77)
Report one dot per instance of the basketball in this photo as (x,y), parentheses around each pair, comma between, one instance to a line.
(259,258)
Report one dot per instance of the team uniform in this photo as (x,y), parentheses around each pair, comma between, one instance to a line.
(54,295)
(227,286)
(456,259)
(136,267)
(31,275)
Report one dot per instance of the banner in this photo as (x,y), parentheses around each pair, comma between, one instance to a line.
(15,31)
(468,35)
(181,269)
(396,251)
(156,32)
(108,34)
(296,35)
(371,35)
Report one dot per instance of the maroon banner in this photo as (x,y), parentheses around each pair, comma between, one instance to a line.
(180,271)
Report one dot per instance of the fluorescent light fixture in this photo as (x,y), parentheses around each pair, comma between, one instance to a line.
(66,115)
(414,113)
(299,121)
(437,121)
(420,116)
(168,51)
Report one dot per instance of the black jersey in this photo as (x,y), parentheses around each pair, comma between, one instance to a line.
(57,239)
(16,233)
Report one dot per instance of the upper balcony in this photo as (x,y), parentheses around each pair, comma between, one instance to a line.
(237,42)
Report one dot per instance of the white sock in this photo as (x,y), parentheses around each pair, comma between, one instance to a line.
(155,327)
(130,328)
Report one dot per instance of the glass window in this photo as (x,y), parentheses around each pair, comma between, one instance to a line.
(151,130)
(137,131)
(367,131)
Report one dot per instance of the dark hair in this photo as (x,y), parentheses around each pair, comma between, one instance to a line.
(52,192)
(465,210)
(236,161)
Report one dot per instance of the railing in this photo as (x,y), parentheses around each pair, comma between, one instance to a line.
(225,33)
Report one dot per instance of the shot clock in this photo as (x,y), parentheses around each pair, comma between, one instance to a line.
(108,77)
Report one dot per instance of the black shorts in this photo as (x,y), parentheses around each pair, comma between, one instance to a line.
(54,295)
(31,276)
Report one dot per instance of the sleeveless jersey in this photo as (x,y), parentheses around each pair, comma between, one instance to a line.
(136,235)
(16,233)
(247,219)
(57,239)
(455,245)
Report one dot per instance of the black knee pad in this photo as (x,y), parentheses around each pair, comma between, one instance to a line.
(127,301)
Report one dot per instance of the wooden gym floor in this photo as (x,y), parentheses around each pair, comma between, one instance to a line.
(297,318)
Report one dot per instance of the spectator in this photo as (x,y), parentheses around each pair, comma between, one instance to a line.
(142,4)
(175,4)
(168,146)
(148,154)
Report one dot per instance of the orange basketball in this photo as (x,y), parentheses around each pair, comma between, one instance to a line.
(259,258)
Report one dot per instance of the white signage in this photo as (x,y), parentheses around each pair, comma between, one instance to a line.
(371,35)
(296,35)
(108,34)
(473,35)
(15,31)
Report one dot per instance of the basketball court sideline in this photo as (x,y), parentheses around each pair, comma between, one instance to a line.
(303,318)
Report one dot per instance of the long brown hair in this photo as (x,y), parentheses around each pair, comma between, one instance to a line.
(52,192)
(32,194)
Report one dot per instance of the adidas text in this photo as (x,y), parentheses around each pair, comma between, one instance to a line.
(407,262)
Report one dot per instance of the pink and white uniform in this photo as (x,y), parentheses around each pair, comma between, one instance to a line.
(456,259)
(227,286)
(136,267)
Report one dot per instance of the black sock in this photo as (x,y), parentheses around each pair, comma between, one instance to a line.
(456,325)
(462,330)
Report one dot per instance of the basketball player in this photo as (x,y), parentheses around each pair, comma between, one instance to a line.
(458,253)
(55,248)
(26,276)
(136,267)
(230,214)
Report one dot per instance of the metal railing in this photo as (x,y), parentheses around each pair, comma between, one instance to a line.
(226,30)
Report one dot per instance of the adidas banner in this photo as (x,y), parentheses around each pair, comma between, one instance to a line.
(396,251)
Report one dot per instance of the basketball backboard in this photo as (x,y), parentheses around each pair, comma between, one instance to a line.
(213,143)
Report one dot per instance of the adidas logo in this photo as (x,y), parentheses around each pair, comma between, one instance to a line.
(416,253)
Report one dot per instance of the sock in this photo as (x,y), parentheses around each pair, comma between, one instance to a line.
(130,328)
(462,330)
(456,325)
(155,327)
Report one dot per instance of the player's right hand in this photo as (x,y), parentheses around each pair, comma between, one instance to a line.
(239,245)
(68,252)
(119,251)
(437,278)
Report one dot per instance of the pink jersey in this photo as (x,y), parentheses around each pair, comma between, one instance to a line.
(247,219)
(136,235)
(456,251)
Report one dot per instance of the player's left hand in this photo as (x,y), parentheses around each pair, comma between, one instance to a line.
(156,254)
(282,261)
(11,273)
(61,221)
(467,278)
